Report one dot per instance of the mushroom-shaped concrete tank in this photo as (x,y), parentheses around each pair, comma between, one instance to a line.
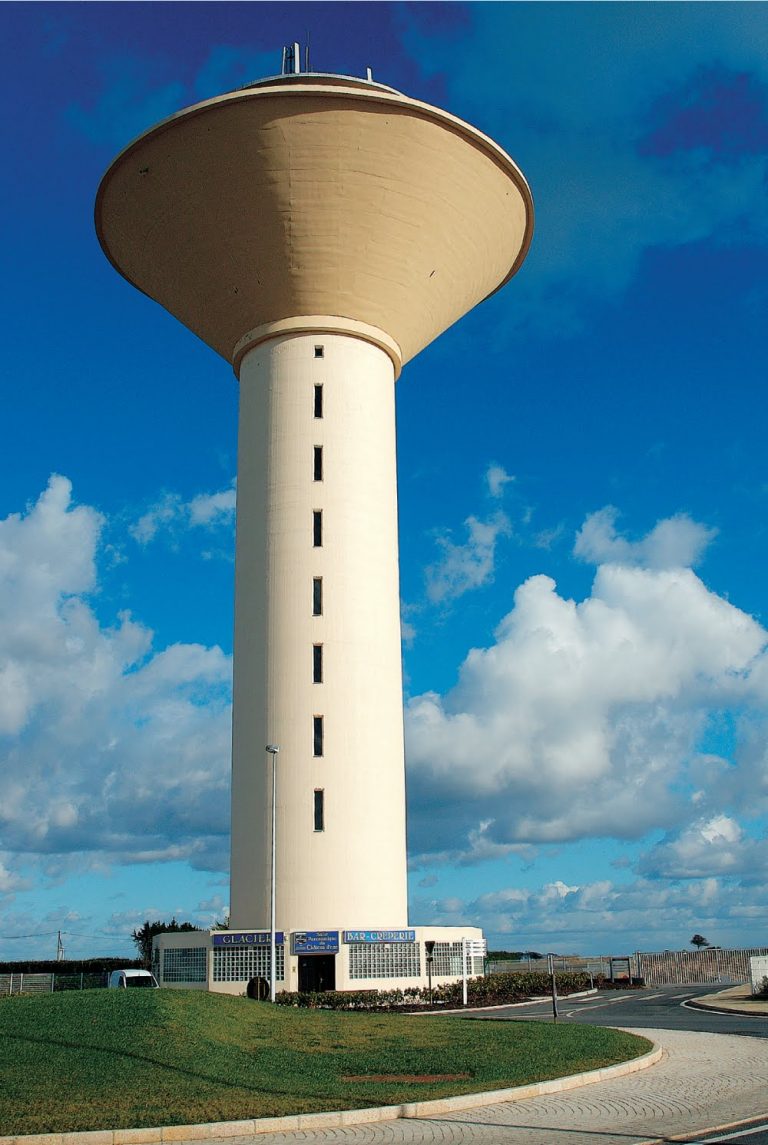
(314,201)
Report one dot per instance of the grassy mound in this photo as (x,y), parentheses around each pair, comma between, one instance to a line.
(107,1059)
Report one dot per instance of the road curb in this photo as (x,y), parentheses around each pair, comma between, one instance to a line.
(693,1005)
(336,1120)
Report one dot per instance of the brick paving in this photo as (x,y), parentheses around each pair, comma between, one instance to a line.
(703,1080)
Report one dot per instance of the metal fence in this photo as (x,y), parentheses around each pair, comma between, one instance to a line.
(50,983)
(680,967)
(594,966)
(662,968)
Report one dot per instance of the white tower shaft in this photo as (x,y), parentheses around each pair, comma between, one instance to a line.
(317,648)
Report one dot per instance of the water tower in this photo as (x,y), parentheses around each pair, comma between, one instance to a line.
(317,231)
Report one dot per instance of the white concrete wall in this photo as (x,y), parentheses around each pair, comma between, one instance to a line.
(758,969)
(353,873)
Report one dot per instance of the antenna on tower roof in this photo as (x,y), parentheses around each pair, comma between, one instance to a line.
(291,59)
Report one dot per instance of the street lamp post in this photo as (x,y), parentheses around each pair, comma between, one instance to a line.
(464,971)
(273,749)
(429,946)
(551,962)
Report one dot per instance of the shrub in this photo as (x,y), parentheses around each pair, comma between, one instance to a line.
(496,990)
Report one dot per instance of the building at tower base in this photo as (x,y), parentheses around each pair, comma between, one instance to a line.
(237,962)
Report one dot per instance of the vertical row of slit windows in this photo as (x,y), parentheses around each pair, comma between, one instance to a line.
(318,727)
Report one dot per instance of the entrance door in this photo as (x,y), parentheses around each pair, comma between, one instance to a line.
(317,972)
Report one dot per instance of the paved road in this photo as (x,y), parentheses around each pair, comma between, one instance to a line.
(662,1007)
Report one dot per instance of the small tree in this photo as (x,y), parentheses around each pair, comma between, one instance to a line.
(698,941)
(144,935)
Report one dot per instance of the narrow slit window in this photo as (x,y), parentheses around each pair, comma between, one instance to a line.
(318,401)
(317,464)
(317,528)
(319,351)
(317,722)
(317,596)
(319,809)
(317,663)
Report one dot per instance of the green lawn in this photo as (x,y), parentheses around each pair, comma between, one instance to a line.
(105,1059)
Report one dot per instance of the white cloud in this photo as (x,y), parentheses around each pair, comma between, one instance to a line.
(586,719)
(213,508)
(714,846)
(603,916)
(675,542)
(11,881)
(108,747)
(165,512)
(476,846)
(172,515)
(497,477)
(407,632)
(548,538)
(468,566)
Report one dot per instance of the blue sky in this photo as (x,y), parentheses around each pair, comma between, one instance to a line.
(582,474)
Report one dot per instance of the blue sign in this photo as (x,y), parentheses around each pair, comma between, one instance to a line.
(248,938)
(379,936)
(315,942)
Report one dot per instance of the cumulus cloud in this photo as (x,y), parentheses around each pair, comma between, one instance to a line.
(466,566)
(586,918)
(717,845)
(675,542)
(11,881)
(586,719)
(172,515)
(109,747)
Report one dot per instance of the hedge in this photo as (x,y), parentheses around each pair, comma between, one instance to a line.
(496,990)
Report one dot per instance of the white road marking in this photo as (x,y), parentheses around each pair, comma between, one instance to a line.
(601,1005)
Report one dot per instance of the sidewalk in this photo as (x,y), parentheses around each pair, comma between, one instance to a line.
(734,1000)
